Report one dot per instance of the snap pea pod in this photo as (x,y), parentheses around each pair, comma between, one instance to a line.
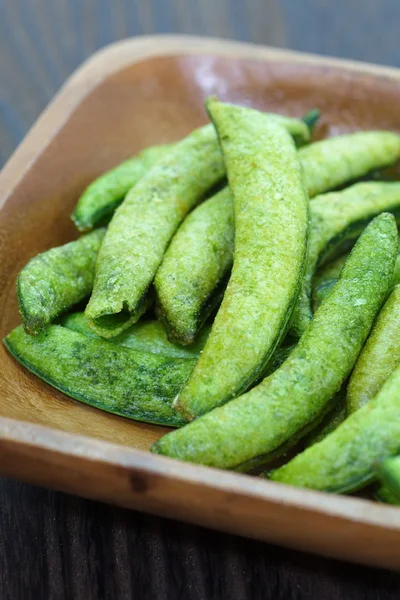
(52,282)
(334,161)
(271,222)
(100,199)
(383,494)
(345,460)
(145,336)
(330,422)
(336,218)
(287,404)
(193,274)
(119,380)
(389,473)
(328,276)
(379,357)
(143,225)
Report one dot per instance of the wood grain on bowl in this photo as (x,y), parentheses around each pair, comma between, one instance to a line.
(131,95)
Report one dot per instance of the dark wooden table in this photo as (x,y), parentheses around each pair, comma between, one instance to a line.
(54,546)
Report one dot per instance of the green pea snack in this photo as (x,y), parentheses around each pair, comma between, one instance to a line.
(100,199)
(193,274)
(274,415)
(273,322)
(327,276)
(145,336)
(143,225)
(119,380)
(52,282)
(271,220)
(335,218)
(335,161)
(345,460)
(379,357)
(389,473)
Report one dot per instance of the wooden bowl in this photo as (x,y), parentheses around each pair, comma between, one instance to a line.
(133,94)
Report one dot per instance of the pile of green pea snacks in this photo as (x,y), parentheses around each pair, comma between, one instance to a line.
(243,286)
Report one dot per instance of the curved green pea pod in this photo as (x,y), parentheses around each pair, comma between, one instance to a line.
(379,357)
(383,494)
(389,473)
(278,412)
(145,336)
(143,225)
(271,223)
(52,282)
(326,278)
(335,218)
(192,276)
(100,199)
(119,380)
(332,162)
(345,460)
(330,422)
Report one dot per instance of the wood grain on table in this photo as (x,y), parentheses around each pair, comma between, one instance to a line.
(54,546)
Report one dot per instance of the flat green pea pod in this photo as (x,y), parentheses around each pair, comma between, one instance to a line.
(271,223)
(332,162)
(345,460)
(263,423)
(379,357)
(389,473)
(52,282)
(330,422)
(335,218)
(100,199)
(143,225)
(112,378)
(144,336)
(326,278)
(193,274)
(383,494)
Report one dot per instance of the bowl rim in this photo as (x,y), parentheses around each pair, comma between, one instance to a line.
(50,447)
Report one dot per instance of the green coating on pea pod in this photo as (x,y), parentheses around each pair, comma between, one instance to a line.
(145,336)
(389,474)
(191,278)
(383,494)
(346,459)
(336,218)
(330,422)
(100,199)
(332,162)
(379,357)
(143,225)
(287,404)
(271,222)
(112,378)
(52,282)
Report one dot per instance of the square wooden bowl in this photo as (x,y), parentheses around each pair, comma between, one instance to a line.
(133,94)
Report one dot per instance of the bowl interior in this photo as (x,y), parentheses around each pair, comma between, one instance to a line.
(154,101)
